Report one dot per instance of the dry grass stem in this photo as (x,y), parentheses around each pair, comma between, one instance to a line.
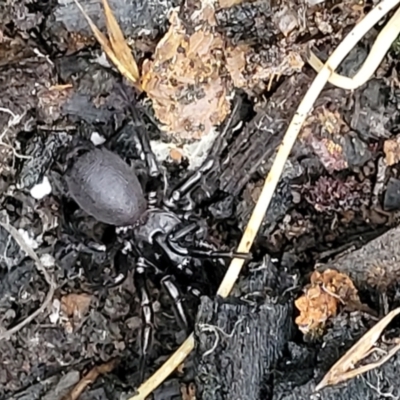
(272,180)
(381,46)
(116,47)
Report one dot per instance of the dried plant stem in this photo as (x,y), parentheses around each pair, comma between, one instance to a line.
(378,51)
(272,180)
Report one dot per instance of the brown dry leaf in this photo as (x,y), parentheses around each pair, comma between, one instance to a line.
(90,378)
(184,81)
(236,64)
(75,305)
(322,298)
(391,149)
(345,368)
(323,131)
(115,48)
(292,61)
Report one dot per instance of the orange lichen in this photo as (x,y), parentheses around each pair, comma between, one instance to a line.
(322,298)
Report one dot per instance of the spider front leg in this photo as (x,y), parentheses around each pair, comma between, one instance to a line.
(187,185)
(201,250)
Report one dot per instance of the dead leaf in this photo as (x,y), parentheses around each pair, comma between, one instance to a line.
(184,81)
(236,64)
(75,305)
(330,153)
(118,43)
(391,149)
(345,368)
(116,48)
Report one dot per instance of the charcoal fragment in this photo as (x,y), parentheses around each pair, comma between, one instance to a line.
(392,195)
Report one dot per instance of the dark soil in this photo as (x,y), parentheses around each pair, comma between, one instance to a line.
(336,206)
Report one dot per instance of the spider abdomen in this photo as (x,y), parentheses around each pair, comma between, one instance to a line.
(106,188)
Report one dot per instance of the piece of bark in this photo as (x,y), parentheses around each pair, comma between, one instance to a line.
(375,265)
(253,149)
(136,18)
(377,384)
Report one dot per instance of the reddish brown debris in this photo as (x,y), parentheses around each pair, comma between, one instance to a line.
(331,194)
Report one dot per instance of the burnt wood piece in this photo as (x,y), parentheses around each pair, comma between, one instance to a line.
(373,266)
(254,148)
(239,342)
(382,383)
(136,18)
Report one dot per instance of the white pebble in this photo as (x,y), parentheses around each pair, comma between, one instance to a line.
(42,189)
(97,139)
(47,260)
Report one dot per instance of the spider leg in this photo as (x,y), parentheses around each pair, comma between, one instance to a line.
(173,292)
(143,144)
(147,311)
(172,240)
(141,137)
(147,315)
(210,164)
(187,185)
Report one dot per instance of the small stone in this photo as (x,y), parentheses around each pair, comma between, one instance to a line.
(97,139)
(42,189)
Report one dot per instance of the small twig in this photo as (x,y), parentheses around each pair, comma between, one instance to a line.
(41,268)
(378,51)
(271,181)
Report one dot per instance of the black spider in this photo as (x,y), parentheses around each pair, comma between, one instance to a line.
(167,236)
